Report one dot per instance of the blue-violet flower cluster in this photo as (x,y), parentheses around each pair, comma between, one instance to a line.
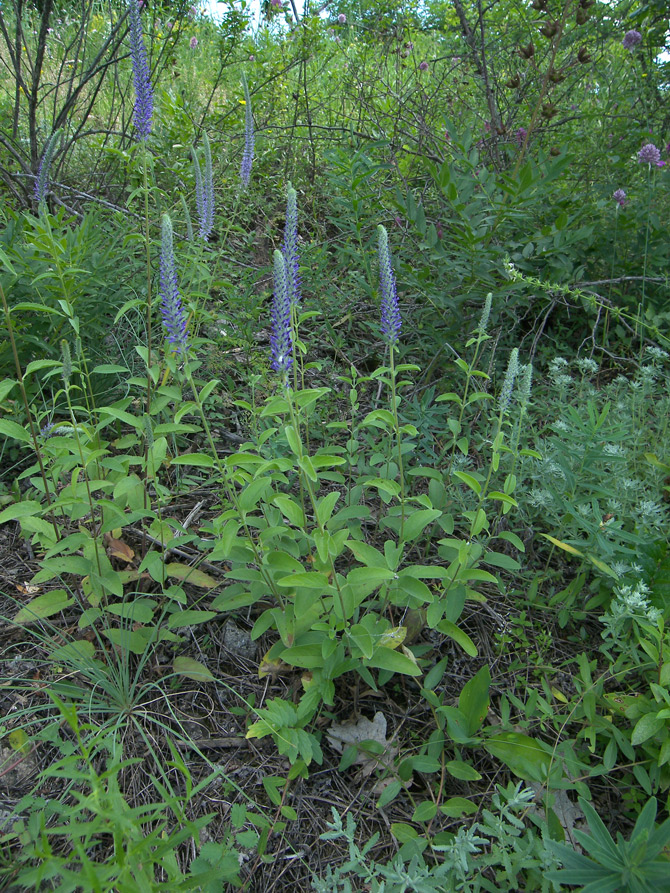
(631,40)
(649,154)
(281,337)
(204,190)
(619,197)
(290,247)
(390,316)
(249,137)
(144,97)
(174,318)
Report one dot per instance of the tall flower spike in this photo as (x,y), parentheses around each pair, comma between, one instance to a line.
(174,318)
(249,137)
(144,97)
(486,313)
(290,246)
(281,340)
(390,322)
(204,190)
(525,384)
(508,383)
(41,189)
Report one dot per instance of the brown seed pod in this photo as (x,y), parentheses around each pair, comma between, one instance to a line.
(514,82)
(540,5)
(549,29)
(548,110)
(527,52)
(556,77)
(554,151)
(582,16)
(583,56)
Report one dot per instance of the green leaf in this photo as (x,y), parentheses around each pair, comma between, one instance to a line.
(192,669)
(455,807)
(308,657)
(139,611)
(525,756)
(307,580)
(25,509)
(360,637)
(364,580)
(425,811)
(459,636)
(463,771)
(290,509)
(78,653)
(17,432)
(393,661)
(473,701)
(293,439)
(190,575)
(44,606)
(468,479)
(325,507)
(197,460)
(418,521)
(306,464)
(189,618)
(389,793)
(368,555)
(646,727)
(403,832)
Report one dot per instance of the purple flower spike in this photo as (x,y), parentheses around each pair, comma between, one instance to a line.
(631,40)
(41,189)
(281,338)
(520,136)
(249,137)
(290,246)
(619,197)
(144,97)
(391,322)
(172,311)
(204,190)
(649,154)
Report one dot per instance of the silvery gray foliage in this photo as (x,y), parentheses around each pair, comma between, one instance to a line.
(499,853)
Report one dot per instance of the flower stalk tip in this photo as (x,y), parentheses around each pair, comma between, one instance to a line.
(281,337)
(249,137)
(391,322)
(172,311)
(144,98)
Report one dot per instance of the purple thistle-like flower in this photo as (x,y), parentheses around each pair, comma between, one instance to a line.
(619,197)
(41,189)
(144,97)
(390,317)
(290,246)
(249,138)
(649,154)
(174,318)
(204,190)
(281,337)
(631,39)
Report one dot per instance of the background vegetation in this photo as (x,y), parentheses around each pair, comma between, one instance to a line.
(297,592)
